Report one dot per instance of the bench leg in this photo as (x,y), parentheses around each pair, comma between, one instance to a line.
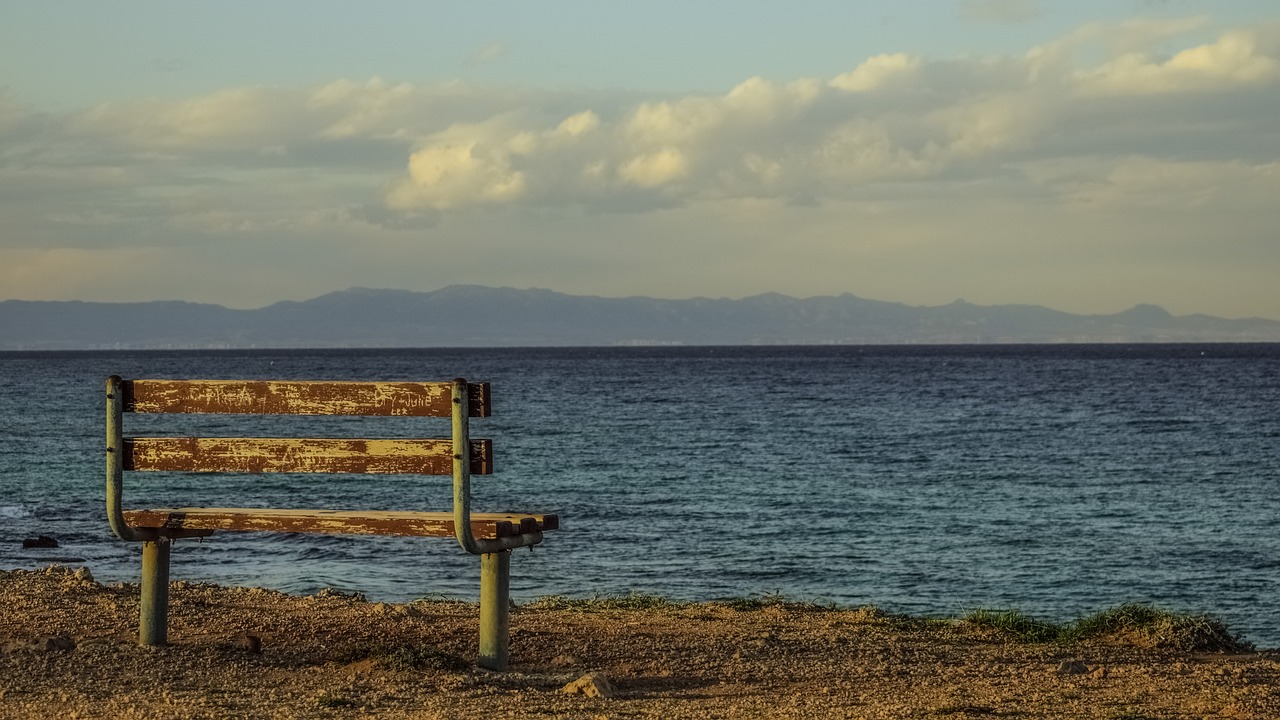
(153,627)
(495,617)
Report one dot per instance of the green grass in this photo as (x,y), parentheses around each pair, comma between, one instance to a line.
(1135,622)
(1140,623)
(1014,624)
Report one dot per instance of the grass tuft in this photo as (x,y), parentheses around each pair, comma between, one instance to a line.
(1135,622)
(1012,623)
(1158,628)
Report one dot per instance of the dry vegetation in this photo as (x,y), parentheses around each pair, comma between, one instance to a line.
(66,650)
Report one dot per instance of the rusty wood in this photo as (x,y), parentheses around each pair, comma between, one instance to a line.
(302,455)
(415,399)
(346,522)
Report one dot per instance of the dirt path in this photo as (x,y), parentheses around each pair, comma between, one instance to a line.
(333,656)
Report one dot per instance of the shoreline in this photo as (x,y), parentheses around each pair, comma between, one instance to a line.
(69,650)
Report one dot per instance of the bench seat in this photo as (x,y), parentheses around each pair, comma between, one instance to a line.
(345,522)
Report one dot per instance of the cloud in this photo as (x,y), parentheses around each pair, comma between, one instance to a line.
(891,119)
(876,72)
(446,176)
(1099,101)
(1000,11)
(1235,60)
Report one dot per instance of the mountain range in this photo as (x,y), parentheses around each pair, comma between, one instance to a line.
(471,315)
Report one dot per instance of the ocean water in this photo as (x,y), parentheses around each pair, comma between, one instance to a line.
(1059,480)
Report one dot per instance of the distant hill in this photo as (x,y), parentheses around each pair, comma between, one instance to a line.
(470,315)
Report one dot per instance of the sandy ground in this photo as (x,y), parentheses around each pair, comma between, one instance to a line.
(332,656)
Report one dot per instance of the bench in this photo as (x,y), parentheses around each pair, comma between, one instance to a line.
(492,536)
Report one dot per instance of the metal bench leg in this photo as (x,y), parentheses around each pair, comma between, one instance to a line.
(153,628)
(495,617)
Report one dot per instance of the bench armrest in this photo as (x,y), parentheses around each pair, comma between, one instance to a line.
(462,485)
(115,459)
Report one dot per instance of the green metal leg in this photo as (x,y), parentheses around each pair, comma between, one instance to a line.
(495,617)
(153,628)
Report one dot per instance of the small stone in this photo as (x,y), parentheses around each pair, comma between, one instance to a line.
(43,541)
(1072,667)
(593,685)
(248,643)
(83,575)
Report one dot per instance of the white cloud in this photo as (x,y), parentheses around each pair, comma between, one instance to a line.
(445,176)
(579,124)
(1233,61)
(893,118)
(654,169)
(876,72)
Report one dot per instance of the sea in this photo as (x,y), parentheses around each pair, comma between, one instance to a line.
(1059,480)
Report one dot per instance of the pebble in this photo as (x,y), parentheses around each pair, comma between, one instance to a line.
(248,643)
(593,684)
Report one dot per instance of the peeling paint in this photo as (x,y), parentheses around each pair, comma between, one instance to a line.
(302,455)
(406,399)
(345,522)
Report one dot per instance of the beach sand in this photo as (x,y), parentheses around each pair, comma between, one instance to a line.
(336,656)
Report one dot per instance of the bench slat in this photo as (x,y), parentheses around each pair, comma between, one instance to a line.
(302,455)
(413,399)
(346,522)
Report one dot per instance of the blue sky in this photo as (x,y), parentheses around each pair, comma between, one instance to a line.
(1086,155)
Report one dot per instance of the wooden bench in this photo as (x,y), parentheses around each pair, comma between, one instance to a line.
(492,536)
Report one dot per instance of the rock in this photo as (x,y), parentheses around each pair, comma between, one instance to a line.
(248,643)
(1073,667)
(594,685)
(83,575)
(43,541)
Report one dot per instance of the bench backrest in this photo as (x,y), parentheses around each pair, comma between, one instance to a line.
(300,455)
(458,455)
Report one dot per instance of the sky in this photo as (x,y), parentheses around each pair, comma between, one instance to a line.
(1086,156)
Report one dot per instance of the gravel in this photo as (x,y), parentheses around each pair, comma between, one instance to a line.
(67,650)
